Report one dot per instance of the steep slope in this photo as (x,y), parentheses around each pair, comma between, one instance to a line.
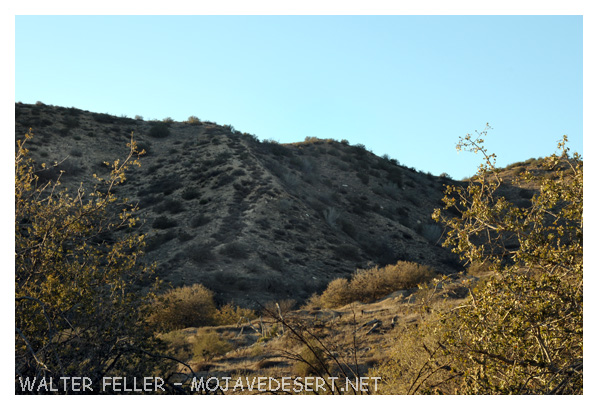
(253,221)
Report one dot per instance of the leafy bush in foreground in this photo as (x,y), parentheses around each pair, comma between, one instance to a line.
(521,330)
(521,333)
(77,311)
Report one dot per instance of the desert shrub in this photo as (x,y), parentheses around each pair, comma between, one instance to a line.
(172,206)
(200,253)
(145,146)
(154,242)
(70,122)
(223,180)
(159,130)
(208,344)
(374,173)
(64,131)
(395,175)
(348,228)
(358,148)
(311,362)
(347,252)
(177,345)
(376,283)
(390,189)
(193,120)
(190,193)
(337,294)
(75,152)
(185,236)
(149,200)
(363,176)
(290,179)
(230,314)
(164,222)
(168,120)
(163,185)
(235,250)
(371,284)
(199,220)
(274,261)
(187,306)
(103,118)
(276,149)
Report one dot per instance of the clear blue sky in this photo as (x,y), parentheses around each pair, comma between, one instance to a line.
(402,85)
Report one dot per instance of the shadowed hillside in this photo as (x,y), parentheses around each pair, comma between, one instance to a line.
(251,220)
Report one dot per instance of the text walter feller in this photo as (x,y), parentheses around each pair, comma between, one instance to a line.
(156,384)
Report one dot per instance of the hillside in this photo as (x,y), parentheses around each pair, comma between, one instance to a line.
(251,220)
(322,257)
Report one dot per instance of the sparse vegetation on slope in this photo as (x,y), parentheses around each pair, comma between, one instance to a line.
(291,212)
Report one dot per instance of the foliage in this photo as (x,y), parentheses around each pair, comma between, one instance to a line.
(159,130)
(163,222)
(208,344)
(337,294)
(521,331)
(417,363)
(188,306)
(310,361)
(77,311)
(193,306)
(371,284)
(235,250)
(230,314)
